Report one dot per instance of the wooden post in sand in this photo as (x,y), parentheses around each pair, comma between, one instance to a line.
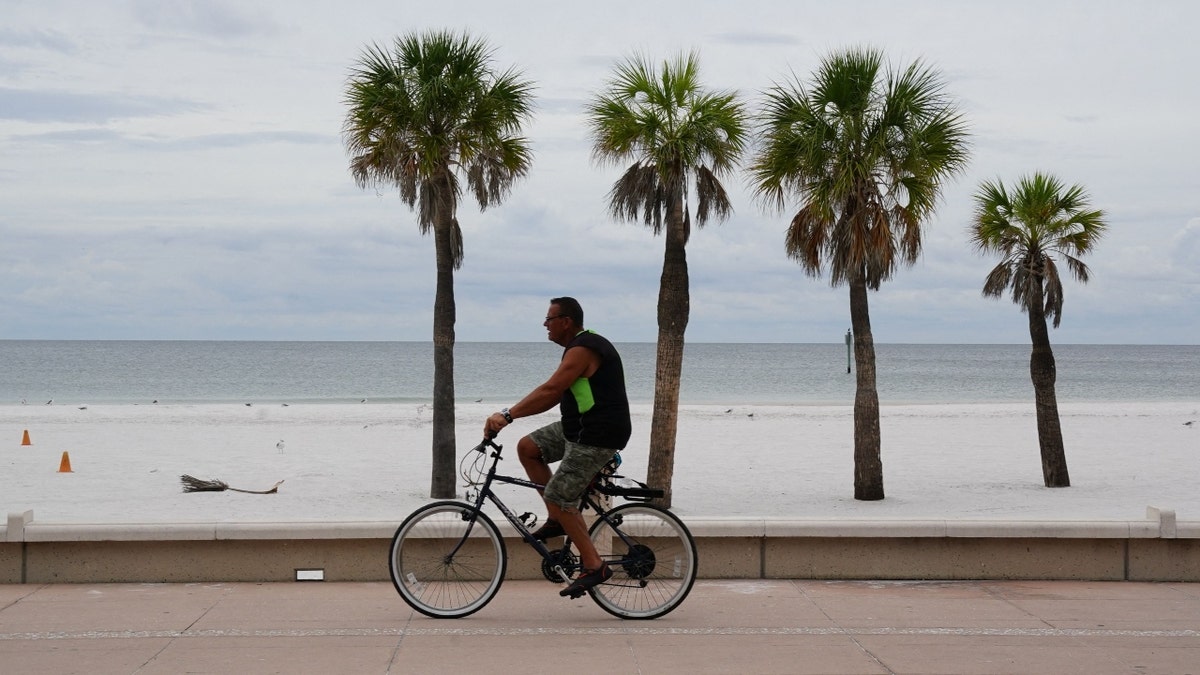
(849,339)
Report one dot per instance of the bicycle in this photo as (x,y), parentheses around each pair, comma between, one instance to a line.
(448,560)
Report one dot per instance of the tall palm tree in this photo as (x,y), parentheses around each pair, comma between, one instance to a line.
(680,138)
(1032,225)
(865,149)
(427,116)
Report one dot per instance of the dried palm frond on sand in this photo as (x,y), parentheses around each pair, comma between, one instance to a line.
(191,484)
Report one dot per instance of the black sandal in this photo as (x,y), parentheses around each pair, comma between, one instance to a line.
(549,530)
(586,580)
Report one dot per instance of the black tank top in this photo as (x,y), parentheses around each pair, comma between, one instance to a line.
(595,410)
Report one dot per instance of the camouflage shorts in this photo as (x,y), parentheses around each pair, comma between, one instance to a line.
(579,465)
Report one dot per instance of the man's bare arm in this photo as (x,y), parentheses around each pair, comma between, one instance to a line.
(576,363)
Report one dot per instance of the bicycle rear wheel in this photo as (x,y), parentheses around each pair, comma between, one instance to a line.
(447,560)
(653,559)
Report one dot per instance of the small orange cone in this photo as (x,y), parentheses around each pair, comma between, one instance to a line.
(25,438)
(65,465)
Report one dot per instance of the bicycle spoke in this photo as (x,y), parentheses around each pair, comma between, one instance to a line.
(653,558)
(438,568)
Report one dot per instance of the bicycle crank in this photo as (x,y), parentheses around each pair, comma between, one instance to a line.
(559,567)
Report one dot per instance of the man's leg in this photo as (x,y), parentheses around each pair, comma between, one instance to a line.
(534,461)
(531,458)
(593,569)
(568,485)
(576,528)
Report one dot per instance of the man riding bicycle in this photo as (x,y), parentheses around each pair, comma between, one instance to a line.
(589,386)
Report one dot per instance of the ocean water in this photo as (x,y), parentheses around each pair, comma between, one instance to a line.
(138,372)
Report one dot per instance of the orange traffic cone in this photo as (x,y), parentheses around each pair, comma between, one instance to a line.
(65,465)
(25,438)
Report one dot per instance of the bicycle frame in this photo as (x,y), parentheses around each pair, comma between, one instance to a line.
(485,493)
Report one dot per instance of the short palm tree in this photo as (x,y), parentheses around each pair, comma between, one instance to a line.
(1030,226)
(681,139)
(865,150)
(428,116)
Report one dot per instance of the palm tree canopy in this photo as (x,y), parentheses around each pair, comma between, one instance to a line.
(671,129)
(433,110)
(1039,220)
(866,150)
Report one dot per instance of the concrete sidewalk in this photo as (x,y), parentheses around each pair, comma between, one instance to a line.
(733,626)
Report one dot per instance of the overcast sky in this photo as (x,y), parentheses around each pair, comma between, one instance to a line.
(174,169)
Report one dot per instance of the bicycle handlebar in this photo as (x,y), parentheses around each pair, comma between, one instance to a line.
(485,444)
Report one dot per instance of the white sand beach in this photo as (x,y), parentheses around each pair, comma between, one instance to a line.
(370,462)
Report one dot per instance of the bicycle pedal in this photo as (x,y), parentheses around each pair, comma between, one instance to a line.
(575,595)
(529,520)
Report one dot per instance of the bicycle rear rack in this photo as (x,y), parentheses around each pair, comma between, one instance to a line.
(640,492)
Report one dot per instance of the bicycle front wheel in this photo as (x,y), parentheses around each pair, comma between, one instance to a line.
(447,560)
(653,559)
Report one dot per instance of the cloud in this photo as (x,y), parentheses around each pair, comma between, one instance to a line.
(32,105)
(1185,255)
(245,139)
(40,39)
(173,168)
(201,281)
(757,39)
(75,139)
(209,18)
(560,105)
(91,135)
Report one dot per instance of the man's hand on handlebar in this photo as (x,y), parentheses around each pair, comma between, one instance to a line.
(494,423)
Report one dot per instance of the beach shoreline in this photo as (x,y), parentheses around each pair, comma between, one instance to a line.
(370,462)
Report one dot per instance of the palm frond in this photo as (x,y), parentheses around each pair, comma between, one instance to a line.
(868,149)
(191,484)
(457,252)
(663,121)
(1038,219)
(637,195)
(430,107)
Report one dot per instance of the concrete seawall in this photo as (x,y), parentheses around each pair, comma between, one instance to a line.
(1155,549)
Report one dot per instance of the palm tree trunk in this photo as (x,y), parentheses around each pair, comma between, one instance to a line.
(442,481)
(673,308)
(1043,373)
(868,462)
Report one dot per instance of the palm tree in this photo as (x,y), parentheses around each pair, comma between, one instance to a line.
(865,150)
(679,137)
(1029,227)
(427,116)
